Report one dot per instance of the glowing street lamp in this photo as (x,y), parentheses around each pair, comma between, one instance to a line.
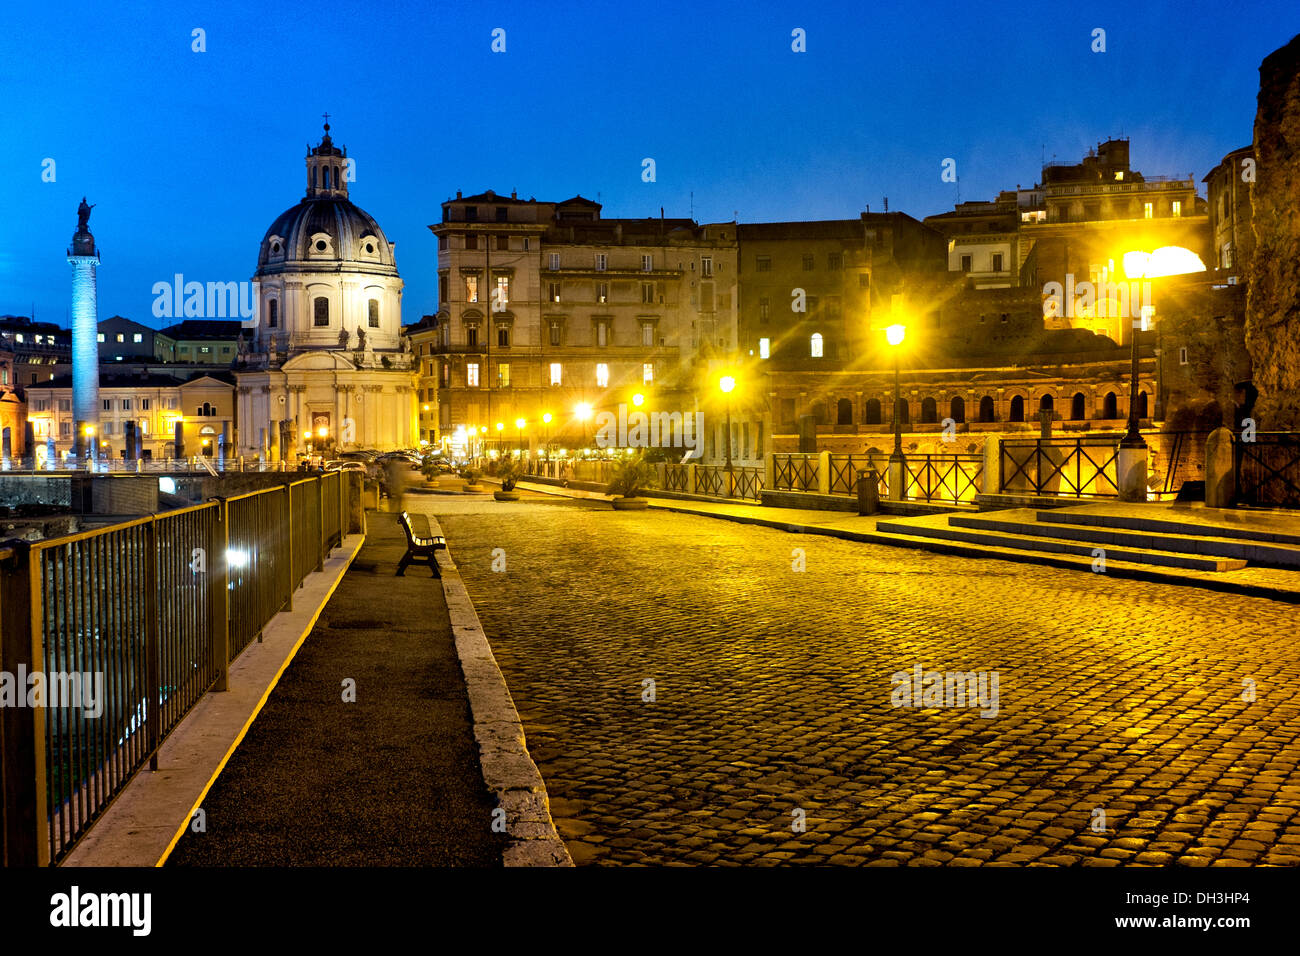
(638,399)
(894,335)
(546,447)
(727,385)
(1139,265)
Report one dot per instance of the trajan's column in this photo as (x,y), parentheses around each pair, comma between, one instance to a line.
(84,259)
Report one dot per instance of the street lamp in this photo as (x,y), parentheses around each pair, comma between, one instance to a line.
(1139,265)
(894,335)
(638,399)
(519,430)
(727,384)
(546,433)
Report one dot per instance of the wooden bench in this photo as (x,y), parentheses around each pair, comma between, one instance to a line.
(421,543)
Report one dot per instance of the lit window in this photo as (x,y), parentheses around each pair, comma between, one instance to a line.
(602,375)
(100,337)
(555,373)
(204,349)
(503,375)
(471,374)
(1177,208)
(817,345)
(502,294)
(1182,356)
(18,337)
(40,339)
(137,337)
(1148,210)
(121,337)
(764,348)
(647,373)
(144,426)
(602,291)
(553,291)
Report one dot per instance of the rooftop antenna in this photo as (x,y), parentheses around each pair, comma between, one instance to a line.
(886,204)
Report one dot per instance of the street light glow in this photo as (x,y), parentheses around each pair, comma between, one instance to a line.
(546,418)
(583,411)
(727,383)
(638,399)
(894,334)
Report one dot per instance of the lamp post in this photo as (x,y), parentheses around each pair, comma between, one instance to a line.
(1141,266)
(727,384)
(894,335)
(546,435)
(583,412)
(519,432)
(500,428)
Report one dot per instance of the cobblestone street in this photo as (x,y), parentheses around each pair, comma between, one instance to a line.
(1122,734)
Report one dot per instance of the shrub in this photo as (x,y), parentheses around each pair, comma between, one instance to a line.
(471,475)
(630,476)
(509,470)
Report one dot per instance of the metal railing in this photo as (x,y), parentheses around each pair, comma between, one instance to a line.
(845,468)
(945,478)
(794,472)
(675,477)
(711,480)
(748,484)
(147,614)
(1268,469)
(1077,468)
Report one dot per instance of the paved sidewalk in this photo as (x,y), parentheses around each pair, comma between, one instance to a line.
(392,779)
(1272,583)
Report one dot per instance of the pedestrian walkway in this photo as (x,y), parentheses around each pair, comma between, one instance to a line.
(933,533)
(391,778)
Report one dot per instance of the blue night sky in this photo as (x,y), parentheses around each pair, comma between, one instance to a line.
(190,156)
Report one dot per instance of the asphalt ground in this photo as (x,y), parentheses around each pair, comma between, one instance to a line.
(392,779)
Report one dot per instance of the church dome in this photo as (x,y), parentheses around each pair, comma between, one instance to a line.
(326,230)
(321,230)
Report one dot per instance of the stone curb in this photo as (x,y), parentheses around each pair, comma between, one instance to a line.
(508,769)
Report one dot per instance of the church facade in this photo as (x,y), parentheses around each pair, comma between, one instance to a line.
(328,369)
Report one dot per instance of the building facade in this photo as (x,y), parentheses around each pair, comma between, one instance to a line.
(546,308)
(140,409)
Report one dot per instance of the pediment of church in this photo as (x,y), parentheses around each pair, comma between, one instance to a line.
(318,361)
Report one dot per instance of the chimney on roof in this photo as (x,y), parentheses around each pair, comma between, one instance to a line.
(886,204)
(457,193)
(513,194)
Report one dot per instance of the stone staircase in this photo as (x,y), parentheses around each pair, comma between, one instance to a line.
(1204,541)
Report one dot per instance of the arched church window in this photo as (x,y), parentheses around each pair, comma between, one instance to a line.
(325,177)
(272,313)
(374,313)
(322,310)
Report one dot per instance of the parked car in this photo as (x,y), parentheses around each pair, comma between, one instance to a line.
(342,465)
